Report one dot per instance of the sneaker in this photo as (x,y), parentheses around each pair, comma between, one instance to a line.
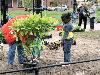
(64,65)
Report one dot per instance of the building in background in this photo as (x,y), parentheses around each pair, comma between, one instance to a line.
(15,3)
(69,3)
(51,3)
(19,3)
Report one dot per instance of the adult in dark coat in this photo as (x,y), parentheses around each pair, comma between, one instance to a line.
(82,10)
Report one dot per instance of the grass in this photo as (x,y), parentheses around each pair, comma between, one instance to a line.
(47,13)
(55,14)
(17,12)
(98,13)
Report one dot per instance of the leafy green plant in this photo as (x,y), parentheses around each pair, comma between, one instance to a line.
(1,36)
(76,27)
(32,27)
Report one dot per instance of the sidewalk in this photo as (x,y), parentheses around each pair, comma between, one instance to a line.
(96,26)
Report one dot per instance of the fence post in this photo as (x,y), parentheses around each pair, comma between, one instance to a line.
(36,71)
(2,52)
(4,9)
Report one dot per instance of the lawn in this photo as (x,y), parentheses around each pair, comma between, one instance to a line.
(55,14)
(98,13)
(47,13)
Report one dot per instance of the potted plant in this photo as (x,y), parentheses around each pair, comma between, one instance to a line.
(29,29)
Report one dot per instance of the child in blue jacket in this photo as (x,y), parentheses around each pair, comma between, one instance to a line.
(67,36)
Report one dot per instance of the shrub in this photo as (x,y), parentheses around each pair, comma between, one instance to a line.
(98,20)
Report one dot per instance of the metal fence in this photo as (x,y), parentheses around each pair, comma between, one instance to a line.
(54,69)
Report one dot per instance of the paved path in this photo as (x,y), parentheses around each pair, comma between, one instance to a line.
(96,26)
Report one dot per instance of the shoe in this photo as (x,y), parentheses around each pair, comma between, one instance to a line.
(64,65)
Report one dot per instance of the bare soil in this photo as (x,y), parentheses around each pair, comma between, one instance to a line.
(87,48)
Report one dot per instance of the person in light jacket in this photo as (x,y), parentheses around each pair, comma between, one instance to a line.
(92,16)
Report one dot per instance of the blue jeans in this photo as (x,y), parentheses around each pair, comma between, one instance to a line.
(67,52)
(11,53)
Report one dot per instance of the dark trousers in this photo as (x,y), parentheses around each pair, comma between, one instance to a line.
(81,17)
(92,23)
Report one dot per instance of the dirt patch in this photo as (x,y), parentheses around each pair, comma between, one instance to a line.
(85,49)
